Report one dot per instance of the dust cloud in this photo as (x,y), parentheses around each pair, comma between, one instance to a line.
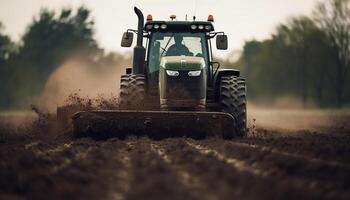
(294,119)
(81,78)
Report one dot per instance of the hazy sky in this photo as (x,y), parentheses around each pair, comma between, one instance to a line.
(240,19)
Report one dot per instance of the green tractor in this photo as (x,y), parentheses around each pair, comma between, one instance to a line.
(174,87)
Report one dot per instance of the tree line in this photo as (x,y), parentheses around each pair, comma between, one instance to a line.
(49,40)
(308,57)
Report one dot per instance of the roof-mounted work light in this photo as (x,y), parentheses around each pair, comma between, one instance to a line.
(172,17)
(149,18)
(210,18)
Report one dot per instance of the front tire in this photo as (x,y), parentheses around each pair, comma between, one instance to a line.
(132,91)
(233,101)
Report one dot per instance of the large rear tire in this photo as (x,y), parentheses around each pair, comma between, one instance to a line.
(132,91)
(233,101)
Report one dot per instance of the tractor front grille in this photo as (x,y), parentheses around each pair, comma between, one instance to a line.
(184,86)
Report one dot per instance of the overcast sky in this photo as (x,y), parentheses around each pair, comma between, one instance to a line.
(240,19)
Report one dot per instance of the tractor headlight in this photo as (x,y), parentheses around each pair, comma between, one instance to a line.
(149,26)
(193,27)
(163,26)
(200,27)
(172,73)
(194,73)
(156,26)
(208,27)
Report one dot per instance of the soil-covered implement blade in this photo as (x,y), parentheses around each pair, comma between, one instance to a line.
(156,124)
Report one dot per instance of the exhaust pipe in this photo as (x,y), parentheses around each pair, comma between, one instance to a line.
(139,26)
(139,50)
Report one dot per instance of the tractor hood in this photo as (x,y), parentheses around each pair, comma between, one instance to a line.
(177,63)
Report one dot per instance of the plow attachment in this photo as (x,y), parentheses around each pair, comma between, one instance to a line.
(155,124)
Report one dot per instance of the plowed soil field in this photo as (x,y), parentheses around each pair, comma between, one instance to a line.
(310,161)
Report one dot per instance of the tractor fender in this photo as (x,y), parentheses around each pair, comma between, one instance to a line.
(217,78)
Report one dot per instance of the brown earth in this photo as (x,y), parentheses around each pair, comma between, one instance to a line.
(38,162)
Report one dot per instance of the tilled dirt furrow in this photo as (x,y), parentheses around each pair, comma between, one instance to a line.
(60,152)
(152,177)
(331,146)
(62,155)
(238,164)
(302,173)
(274,151)
(224,179)
(191,182)
(119,184)
(83,169)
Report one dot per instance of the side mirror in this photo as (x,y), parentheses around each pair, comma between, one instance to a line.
(221,42)
(127,39)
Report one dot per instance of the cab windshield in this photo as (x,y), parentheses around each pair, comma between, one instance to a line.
(175,44)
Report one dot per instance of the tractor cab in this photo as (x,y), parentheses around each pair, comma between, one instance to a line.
(176,39)
(179,62)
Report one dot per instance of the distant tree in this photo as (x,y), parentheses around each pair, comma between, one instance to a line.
(333,16)
(296,61)
(7,48)
(251,51)
(49,41)
(306,42)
